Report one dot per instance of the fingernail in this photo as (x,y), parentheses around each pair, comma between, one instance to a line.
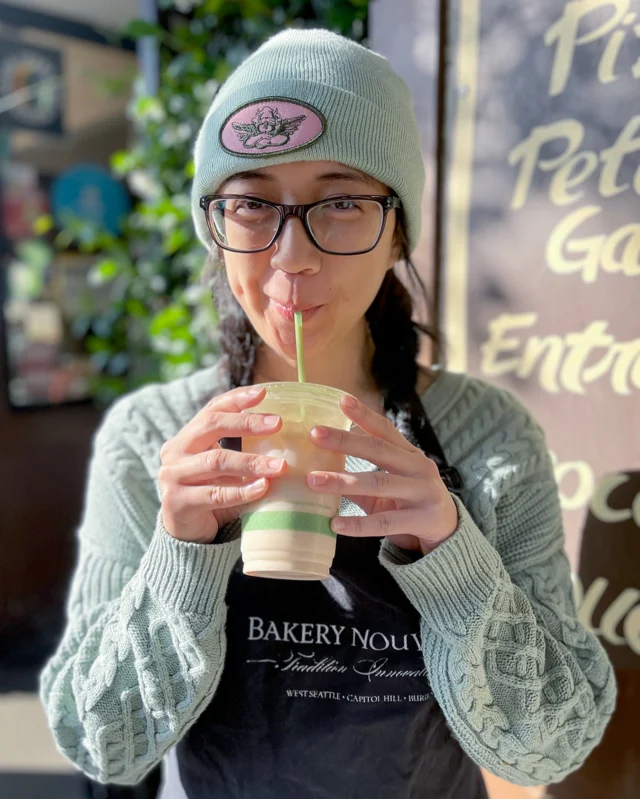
(258,485)
(320,432)
(317,479)
(275,464)
(337,525)
(254,391)
(271,421)
(350,402)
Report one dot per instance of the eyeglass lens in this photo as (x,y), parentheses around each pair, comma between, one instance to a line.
(339,226)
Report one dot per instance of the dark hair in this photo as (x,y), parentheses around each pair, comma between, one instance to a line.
(394,332)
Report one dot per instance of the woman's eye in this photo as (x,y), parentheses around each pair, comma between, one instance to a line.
(248,208)
(342,205)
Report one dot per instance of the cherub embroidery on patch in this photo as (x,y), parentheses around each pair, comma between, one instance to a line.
(271,125)
(267,129)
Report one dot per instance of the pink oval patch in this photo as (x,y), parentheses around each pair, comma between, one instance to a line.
(272,125)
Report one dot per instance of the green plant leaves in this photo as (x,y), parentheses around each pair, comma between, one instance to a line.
(35,254)
(104,271)
(138,28)
(43,224)
(160,322)
(175,240)
(168,320)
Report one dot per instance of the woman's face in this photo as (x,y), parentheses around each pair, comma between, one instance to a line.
(293,272)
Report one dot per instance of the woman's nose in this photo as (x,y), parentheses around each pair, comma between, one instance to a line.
(294,250)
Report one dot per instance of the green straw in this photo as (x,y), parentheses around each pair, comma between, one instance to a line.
(302,373)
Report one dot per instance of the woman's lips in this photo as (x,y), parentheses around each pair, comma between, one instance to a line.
(289,313)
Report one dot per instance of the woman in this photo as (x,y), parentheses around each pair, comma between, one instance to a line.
(446,637)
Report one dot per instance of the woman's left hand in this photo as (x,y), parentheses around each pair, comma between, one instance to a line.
(408,501)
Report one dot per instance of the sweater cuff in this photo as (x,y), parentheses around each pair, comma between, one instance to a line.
(454,582)
(189,578)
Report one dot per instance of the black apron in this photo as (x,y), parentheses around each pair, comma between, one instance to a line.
(325,694)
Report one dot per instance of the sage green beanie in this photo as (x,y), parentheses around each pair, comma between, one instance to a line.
(312,95)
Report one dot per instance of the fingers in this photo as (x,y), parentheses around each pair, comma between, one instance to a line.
(234,401)
(370,484)
(397,522)
(384,453)
(374,423)
(188,500)
(216,425)
(221,418)
(214,463)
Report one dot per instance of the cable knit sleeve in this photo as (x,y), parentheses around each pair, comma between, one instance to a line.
(144,644)
(526,689)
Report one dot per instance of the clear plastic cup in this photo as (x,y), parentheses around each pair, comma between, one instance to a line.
(286,534)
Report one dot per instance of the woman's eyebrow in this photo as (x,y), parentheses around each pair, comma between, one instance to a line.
(328,177)
(249,175)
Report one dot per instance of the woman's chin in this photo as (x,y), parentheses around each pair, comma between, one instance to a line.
(287,349)
(284,344)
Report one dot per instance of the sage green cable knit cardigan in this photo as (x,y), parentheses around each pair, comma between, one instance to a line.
(524,686)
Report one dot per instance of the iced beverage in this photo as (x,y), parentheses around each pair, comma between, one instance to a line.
(286,534)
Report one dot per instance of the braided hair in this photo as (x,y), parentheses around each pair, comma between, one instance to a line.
(394,333)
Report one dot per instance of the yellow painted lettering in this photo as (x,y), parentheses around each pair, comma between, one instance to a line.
(579,347)
(600,500)
(631,629)
(563,180)
(627,142)
(578,472)
(626,368)
(629,264)
(498,343)
(527,153)
(607,65)
(565,35)
(587,249)
(549,349)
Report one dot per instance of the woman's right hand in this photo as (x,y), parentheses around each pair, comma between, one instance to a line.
(204,486)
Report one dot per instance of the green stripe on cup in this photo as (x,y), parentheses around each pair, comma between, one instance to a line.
(287,520)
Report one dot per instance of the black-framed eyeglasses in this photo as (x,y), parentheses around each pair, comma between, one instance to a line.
(347,225)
